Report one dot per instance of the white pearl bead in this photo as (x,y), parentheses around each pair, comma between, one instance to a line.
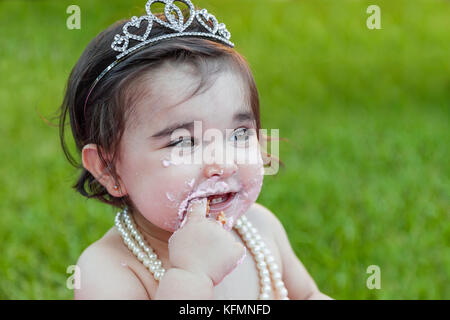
(276,275)
(279,284)
(246,237)
(283,292)
(261,265)
(270,259)
(264,272)
(146,262)
(141,256)
(266,289)
(148,250)
(259,257)
(256,248)
(264,296)
(265,280)
(273,266)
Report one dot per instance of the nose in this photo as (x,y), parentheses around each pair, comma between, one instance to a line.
(221,170)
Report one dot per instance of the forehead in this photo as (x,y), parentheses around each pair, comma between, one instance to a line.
(167,93)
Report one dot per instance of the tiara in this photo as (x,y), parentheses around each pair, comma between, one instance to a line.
(217,31)
(177,25)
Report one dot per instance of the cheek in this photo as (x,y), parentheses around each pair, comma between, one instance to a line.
(252,176)
(252,180)
(157,190)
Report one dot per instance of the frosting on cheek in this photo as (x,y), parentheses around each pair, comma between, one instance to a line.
(243,201)
(172,222)
(190,183)
(166,163)
(170,197)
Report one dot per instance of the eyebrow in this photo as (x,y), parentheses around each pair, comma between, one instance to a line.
(237,117)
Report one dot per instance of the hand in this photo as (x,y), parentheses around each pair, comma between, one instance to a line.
(203,246)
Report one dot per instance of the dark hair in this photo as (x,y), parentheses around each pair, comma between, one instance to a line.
(108,106)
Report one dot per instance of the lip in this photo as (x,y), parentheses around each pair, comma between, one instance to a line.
(223,205)
(183,208)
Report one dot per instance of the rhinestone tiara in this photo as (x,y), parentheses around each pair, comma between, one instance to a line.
(176,24)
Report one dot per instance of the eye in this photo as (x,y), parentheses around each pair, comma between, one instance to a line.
(242,135)
(183,142)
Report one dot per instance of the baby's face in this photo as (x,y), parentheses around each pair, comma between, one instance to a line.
(162,173)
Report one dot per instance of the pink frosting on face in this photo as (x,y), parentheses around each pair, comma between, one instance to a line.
(190,183)
(246,193)
(166,163)
(170,196)
(206,188)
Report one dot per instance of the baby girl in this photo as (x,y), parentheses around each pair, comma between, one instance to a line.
(149,99)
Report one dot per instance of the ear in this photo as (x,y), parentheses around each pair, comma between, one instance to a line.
(92,162)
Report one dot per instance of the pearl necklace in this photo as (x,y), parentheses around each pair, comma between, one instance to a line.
(265,262)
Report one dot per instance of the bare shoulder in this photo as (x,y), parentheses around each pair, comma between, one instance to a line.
(104,275)
(265,219)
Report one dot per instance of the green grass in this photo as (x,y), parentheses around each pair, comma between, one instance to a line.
(366,111)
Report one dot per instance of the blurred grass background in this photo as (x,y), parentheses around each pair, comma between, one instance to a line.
(366,111)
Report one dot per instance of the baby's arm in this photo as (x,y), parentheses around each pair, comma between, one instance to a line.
(103,277)
(298,281)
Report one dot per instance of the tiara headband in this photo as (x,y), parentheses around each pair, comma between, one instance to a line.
(176,24)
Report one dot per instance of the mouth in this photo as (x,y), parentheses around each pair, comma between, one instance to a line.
(220,202)
(217,203)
